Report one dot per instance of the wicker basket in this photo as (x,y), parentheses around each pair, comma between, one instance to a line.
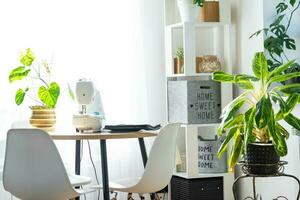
(43,117)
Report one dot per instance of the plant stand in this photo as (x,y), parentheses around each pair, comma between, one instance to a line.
(256,196)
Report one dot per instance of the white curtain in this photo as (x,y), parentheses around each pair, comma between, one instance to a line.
(118,44)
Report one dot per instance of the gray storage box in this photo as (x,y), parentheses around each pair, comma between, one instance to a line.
(208,161)
(194,101)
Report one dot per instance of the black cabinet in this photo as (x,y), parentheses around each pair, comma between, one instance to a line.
(197,189)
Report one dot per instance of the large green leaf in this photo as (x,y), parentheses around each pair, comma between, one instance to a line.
(249,124)
(260,65)
(263,108)
(245,84)
(289,89)
(224,144)
(265,30)
(282,130)
(230,110)
(277,20)
(281,7)
(49,95)
(282,68)
(292,2)
(286,107)
(235,151)
(278,138)
(27,58)
(278,30)
(290,43)
(20,95)
(245,77)
(222,77)
(291,102)
(293,121)
(236,121)
(284,77)
(18,73)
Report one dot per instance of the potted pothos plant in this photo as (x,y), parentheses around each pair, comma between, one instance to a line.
(251,120)
(45,92)
(277,40)
(189,9)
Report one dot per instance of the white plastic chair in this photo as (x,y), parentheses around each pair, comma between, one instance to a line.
(159,167)
(74,179)
(33,169)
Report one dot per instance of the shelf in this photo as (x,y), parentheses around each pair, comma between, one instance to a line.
(184,175)
(200,125)
(198,25)
(185,75)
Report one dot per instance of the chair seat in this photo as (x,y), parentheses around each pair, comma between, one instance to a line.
(77,180)
(123,184)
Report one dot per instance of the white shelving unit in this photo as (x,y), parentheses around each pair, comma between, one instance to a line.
(198,39)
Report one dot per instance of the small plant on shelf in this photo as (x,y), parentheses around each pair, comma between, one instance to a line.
(256,132)
(45,92)
(277,40)
(199,2)
(179,61)
(180,53)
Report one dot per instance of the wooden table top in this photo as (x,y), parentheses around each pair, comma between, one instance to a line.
(67,132)
(73,135)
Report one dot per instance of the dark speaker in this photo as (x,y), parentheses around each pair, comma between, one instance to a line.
(197,189)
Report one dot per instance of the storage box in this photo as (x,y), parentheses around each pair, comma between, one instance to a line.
(193,101)
(208,162)
(197,189)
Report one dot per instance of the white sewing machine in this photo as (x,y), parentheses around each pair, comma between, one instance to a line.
(91,115)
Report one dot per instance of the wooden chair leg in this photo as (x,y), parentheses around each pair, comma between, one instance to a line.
(156,197)
(129,196)
(115,195)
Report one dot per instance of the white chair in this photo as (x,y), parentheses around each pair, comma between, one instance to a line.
(74,179)
(33,169)
(159,167)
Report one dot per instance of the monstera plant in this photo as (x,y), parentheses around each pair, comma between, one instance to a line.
(47,92)
(277,40)
(251,120)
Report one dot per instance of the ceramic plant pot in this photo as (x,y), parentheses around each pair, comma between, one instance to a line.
(43,117)
(189,12)
(261,159)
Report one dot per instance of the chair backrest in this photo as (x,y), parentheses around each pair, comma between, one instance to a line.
(161,162)
(33,169)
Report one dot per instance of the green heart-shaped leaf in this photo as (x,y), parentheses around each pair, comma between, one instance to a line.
(27,58)
(18,73)
(20,95)
(49,95)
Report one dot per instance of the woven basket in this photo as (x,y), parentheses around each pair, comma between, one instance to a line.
(43,117)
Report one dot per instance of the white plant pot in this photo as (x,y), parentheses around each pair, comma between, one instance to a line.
(188,12)
(185,1)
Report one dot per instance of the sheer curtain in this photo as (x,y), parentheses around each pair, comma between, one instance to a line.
(118,44)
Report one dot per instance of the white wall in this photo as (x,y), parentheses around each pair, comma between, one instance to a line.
(248,17)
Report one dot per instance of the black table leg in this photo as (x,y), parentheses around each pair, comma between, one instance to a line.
(77,159)
(143,151)
(105,181)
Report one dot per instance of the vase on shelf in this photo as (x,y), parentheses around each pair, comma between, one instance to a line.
(210,12)
(178,66)
(189,12)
